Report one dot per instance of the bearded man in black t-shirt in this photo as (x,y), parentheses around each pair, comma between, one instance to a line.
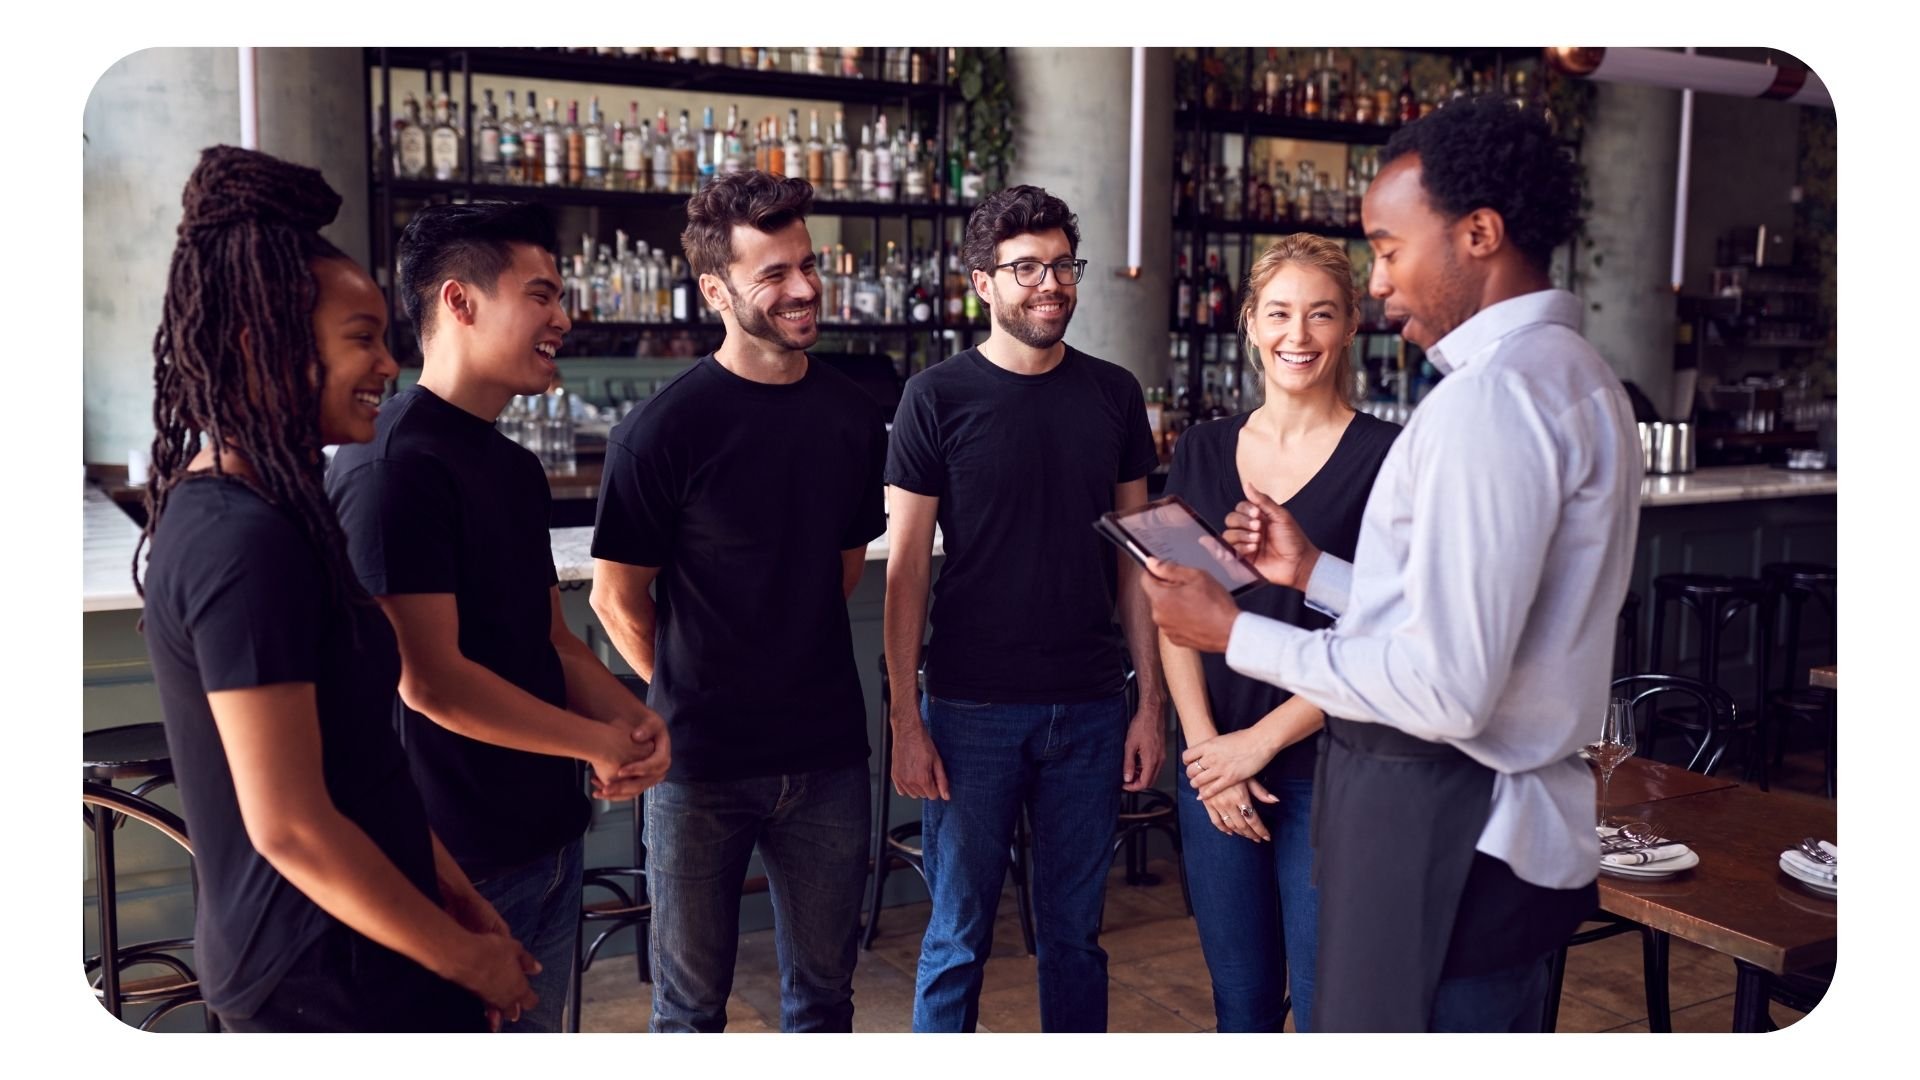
(1016,447)
(743,494)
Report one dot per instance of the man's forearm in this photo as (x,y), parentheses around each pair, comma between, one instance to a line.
(592,690)
(469,699)
(903,622)
(631,628)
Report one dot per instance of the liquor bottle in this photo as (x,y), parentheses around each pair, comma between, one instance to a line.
(533,156)
(843,295)
(1289,103)
(816,153)
(866,160)
(882,161)
(716,56)
(776,150)
(919,298)
(686,156)
(972,182)
(576,146)
(1322,200)
(893,284)
(1353,197)
(617,278)
(1183,295)
(553,145)
(593,146)
(816,60)
(1203,292)
(606,304)
(512,167)
(792,151)
(710,149)
(633,150)
(1270,83)
(1429,101)
(487,143)
(850,56)
(580,296)
(1310,104)
(1409,104)
(913,178)
(735,158)
(840,158)
(970,306)
(957,285)
(868,297)
(445,143)
(660,277)
(689,54)
(686,294)
(662,154)
(409,142)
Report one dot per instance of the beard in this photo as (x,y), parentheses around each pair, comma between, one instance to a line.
(771,328)
(1024,329)
(1455,301)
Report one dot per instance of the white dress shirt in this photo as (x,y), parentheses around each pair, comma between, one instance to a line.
(1479,609)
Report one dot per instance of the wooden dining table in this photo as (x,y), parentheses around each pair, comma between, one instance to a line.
(1737,901)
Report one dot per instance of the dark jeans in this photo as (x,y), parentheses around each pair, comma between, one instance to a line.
(1247,899)
(541,903)
(1509,1000)
(1063,762)
(811,829)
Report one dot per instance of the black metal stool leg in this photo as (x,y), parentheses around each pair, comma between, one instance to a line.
(104,822)
(1556,978)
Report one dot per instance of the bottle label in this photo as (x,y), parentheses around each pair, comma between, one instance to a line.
(867,302)
(883,169)
(595,151)
(680,304)
(556,152)
(916,182)
(446,153)
(970,186)
(922,311)
(489,146)
(630,158)
(413,152)
(955,306)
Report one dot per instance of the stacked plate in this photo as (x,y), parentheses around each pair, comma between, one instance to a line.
(1816,876)
(1664,860)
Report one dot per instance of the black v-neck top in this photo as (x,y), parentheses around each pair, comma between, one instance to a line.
(1328,507)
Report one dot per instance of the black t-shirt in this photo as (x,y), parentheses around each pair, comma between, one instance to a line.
(1023,465)
(1328,508)
(745,494)
(440,502)
(237,598)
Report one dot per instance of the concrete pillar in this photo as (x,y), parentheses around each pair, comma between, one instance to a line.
(145,123)
(1631,152)
(1073,114)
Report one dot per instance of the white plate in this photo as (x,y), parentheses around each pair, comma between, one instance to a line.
(1826,888)
(1663,868)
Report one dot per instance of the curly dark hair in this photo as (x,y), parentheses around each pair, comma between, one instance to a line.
(471,243)
(767,201)
(1486,152)
(1012,212)
(243,260)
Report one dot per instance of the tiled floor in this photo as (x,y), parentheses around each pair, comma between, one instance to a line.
(1157,978)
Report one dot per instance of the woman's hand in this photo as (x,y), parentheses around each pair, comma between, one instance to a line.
(1232,810)
(1225,760)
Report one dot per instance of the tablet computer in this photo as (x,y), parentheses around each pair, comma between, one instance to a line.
(1169,530)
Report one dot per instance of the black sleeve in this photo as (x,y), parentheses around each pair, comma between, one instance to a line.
(639,512)
(402,523)
(870,520)
(1139,456)
(255,609)
(914,461)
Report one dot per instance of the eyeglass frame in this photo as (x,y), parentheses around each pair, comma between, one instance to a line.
(1079,272)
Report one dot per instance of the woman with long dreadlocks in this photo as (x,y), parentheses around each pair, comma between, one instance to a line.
(324,902)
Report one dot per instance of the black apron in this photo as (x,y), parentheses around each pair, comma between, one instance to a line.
(1395,821)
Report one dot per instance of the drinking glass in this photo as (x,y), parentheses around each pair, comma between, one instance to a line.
(1615,745)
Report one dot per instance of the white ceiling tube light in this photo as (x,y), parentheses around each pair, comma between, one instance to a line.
(1680,71)
(249,102)
(1136,163)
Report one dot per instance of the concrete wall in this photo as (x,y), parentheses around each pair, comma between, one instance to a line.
(1074,106)
(1631,152)
(145,123)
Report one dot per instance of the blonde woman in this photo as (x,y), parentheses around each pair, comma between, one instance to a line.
(1249,747)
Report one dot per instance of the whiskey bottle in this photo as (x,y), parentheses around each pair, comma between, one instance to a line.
(776,150)
(840,158)
(409,142)
(445,148)
(1409,103)
(1384,111)
(576,146)
(816,153)
(533,156)
(686,158)
(633,150)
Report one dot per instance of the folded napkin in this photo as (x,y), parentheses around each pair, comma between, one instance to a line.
(1801,862)
(1645,855)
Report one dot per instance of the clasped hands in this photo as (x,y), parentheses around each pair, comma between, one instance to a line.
(631,756)
(1192,609)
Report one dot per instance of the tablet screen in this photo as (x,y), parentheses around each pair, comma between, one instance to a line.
(1168,529)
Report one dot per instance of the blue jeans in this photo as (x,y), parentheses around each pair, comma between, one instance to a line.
(1510,1000)
(1248,898)
(541,903)
(1063,762)
(811,829)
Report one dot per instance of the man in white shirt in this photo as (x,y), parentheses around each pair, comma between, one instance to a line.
(1453,825)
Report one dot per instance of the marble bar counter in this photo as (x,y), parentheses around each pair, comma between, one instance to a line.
(110,535)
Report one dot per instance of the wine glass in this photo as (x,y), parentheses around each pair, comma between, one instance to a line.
(1615,745)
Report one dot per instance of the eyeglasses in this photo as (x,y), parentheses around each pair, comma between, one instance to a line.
(1029,273)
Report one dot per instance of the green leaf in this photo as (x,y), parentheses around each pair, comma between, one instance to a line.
(970,84)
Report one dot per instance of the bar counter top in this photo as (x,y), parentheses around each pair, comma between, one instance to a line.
(110,535)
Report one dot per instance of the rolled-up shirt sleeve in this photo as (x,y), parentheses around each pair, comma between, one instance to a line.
(1479,534)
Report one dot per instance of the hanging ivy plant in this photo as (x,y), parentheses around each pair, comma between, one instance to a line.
(986,110)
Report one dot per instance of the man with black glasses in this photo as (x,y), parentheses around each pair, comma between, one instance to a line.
(1015,447)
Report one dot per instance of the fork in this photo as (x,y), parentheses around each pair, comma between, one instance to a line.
(1811,849)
